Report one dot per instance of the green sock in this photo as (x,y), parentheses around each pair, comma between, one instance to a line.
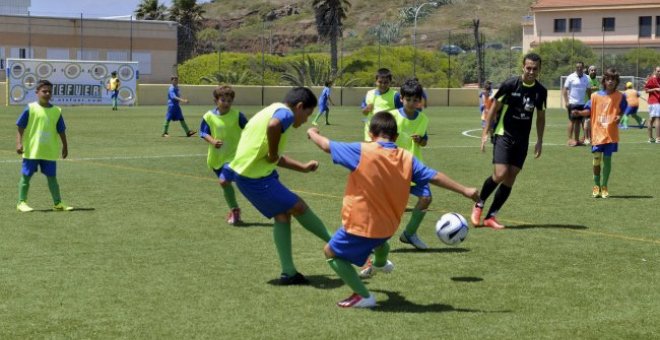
(638,119)
(282,237)
(114,102)
(415,221)
(607,168)
(312,223)
(349,275)
(23,187)
(54,189)
(185,126)
(597,180)
(624,121)
(230,195)
(318,114)
(166,126)
(380,255)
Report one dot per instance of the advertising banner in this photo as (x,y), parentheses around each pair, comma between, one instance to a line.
(75,82)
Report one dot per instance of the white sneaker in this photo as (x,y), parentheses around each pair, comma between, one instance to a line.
(356,301)
(370,270)
(413,240)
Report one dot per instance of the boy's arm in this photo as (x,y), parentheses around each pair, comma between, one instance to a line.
(444,181)
(273,134)
(540,129)
(321,141)
(292,164)
(19,140)
(65,146)
(490,115)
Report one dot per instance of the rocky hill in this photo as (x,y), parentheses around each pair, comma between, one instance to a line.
(288,25)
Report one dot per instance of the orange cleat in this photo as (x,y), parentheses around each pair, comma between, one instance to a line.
(491,222)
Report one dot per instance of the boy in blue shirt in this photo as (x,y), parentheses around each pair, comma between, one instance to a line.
(258,155)
(174,109)
(222,128)
(324,109)
(38,128)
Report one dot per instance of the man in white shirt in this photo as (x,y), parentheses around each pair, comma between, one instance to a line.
(574,95)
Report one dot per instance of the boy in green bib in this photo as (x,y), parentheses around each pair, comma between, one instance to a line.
(382,98)
(221,128)
(38,127)
(259,153)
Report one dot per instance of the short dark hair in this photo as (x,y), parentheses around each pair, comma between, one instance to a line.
(328,82)
(173,77)
(411,88)
(383,125)
(223,90)
(533,57)
(580,62)
(114,73)
(611,73)
(384,73)
(301,95)
(42,83)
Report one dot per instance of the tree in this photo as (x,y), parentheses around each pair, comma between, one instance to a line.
(151,10)
(189,15)
(329,15)
(559,58)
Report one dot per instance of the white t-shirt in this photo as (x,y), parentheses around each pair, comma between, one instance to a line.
(577,88)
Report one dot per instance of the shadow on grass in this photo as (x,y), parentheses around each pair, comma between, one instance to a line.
(430,250)
(630,197)
(546,226)
(70,211)
(397,303)
(252,224)
(466,279)
(316,281)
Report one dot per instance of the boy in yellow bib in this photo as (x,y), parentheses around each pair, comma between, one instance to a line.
(258,154)
(36,140)
(222,128)
(382,98)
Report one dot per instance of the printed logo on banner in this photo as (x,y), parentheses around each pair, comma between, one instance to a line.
(74,82)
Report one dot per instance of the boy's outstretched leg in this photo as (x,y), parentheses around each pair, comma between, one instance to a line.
(234,216)
(409,235)
(310,221)
(23,187)
(166,127)
(186,129)
(361,298)
(282,238)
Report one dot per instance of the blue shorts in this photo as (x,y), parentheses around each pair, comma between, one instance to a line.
(606,149)
(225,173)
(48,168)
(631,110)
(267,194)
(324,109)
(114,94)
(421,190)
(174,113)
(352,248)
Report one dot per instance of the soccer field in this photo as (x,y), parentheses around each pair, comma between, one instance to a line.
(147,252)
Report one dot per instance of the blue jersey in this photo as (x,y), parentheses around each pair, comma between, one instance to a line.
(172,93)
(348,156)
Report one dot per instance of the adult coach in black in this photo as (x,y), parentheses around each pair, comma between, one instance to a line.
(516,100)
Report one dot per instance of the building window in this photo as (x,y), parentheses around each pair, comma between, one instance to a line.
(575,25)
(87,55)
(20,53)
(657,27)
(645,25)
(560,25)
(608,24)
(117,56)
(144,61)
(57,53)
(2,58)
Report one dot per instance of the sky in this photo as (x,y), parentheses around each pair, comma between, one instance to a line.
(89,8)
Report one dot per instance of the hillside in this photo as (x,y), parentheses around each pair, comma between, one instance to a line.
(289,24)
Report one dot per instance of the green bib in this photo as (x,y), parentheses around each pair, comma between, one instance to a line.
(40,135)
(223,127)
(408,128)
(382,102)
(252,152)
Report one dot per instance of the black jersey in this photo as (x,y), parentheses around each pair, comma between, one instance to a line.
(518,104)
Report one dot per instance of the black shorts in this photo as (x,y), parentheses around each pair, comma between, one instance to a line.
(572,107)
(507,150)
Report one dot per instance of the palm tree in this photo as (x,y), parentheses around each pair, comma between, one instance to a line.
(151,10)
(189,15)
(311,72)
(329,15)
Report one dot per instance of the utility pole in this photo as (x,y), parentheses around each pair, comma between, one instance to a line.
(480,56)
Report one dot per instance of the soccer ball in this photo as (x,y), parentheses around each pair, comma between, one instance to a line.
(451,228)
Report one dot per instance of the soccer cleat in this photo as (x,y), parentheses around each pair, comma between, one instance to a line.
(572,142)
(413,240)
(357,301)
(297,279)
(603,192)
(657,140)
(491,222)
(315,123)
(475,217)
(370,270)
(23,207)
(165,135)
(62,207)
(587,141)
(190,133)
(651,140)
(234,216)
(595,193)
